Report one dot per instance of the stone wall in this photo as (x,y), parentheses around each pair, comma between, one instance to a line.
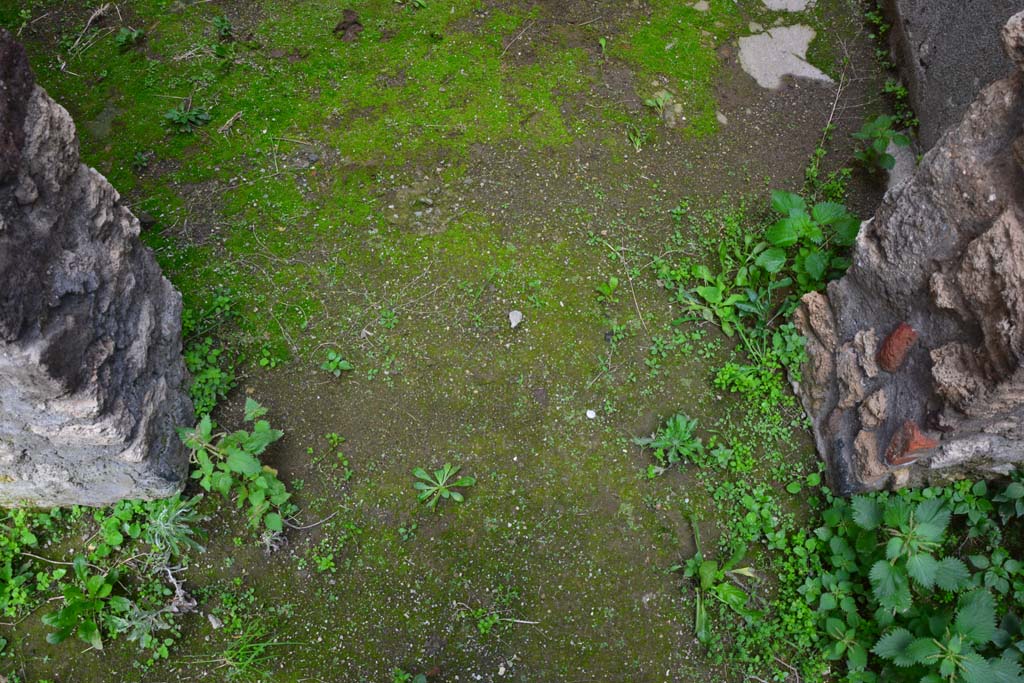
(92,383)
(947,51)
(915,354)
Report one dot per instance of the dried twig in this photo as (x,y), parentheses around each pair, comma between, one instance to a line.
(310,526)
(629,278)
(518,36)
(97,13)
(226,128)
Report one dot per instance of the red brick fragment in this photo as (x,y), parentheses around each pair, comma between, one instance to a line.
(895,347)
(907,441)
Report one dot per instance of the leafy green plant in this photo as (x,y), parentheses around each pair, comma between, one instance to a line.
(335,364)
(905,117)
(440,485)
(893,590)
(170,527)
(212,378)
(876,135)
(23,532)
(268,358)
(229,464)
(388,318)
(606,290)
(402,676)
(223,27)
(659,101)
(674,442)
(211,366)
(127,37)
(88,605)
(637,136)
(185,119)
(716,580)
(1010,500)
(802,238)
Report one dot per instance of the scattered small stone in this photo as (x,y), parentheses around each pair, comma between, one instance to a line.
(591,415)
(788,5)
(215,622)
(515,318)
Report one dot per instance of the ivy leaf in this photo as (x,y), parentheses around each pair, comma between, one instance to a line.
(922,567)
(867,513)
(976,618)
(772,260)
(951,574)
(893,646)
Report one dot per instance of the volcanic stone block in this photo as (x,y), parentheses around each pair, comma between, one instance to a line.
(947,51)
(92,382)
(941,268)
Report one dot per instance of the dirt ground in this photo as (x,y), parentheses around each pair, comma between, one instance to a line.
(394,198)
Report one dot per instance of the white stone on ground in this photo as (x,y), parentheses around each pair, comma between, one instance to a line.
(788,5)
(779,52)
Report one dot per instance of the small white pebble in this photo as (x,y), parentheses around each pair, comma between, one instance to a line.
(591,415)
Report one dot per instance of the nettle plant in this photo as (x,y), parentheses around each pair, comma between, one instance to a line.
(898,605)
(804,239)
(229,464)
(799,252)
(876,135)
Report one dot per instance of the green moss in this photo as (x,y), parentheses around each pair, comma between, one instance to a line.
(312,257)
(679,43)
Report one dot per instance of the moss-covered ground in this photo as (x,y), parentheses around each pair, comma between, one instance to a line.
(393,198)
